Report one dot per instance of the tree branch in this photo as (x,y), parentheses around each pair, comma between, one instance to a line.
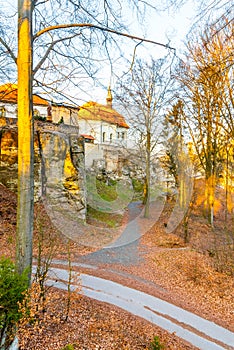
(8,50)
(90,25)
(38,66)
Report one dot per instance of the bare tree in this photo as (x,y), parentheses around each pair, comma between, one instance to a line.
(64,51)
(179,160)
(72,41)
(214,9)
(173,140)
(143,93)
(58,44)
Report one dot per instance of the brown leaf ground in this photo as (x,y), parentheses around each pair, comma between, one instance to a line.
(94,325)
(185,274)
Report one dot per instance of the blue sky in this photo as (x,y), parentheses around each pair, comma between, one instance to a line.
(164,27)
(161,27)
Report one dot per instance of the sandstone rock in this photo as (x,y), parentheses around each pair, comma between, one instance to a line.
(58,164)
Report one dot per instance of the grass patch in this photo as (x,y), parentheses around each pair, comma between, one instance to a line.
(107,191)
(103,219)
(108,196)
(138,188)
(138,185)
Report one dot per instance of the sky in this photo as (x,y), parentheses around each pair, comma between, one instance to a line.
(164,27)
(167,27)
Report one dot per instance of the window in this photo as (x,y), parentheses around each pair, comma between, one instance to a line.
(93,133)
(36,113)
(103,136)
(123,135)
(111,136)
(2,111)
(61,121)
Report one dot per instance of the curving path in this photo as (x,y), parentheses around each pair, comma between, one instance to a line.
(203,334)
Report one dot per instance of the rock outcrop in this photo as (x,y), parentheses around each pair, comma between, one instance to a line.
(59,170)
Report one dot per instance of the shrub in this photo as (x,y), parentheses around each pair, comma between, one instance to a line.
(68,347)
(39,117)
(156,344)
(12,286)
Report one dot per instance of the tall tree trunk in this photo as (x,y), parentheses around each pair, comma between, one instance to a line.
(210,174)
(182,191)
(147,179)
(210,198)
(226,184)
(25,139)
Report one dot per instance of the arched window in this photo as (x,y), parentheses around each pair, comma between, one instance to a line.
(2,111)
(103,136)
(36,113)
(111,136)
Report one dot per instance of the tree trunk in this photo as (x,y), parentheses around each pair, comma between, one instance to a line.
(210,173)
(210,198)
(25,139)
(147,180)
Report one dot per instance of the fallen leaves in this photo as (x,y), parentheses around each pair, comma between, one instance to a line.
(182,274)
(95,325)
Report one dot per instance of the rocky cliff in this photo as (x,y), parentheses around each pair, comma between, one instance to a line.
(58,164)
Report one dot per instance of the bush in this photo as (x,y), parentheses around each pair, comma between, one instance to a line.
(156,345)
(12,286)
(39,117)
(68,347)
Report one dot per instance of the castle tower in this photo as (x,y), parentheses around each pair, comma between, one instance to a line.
(109,98)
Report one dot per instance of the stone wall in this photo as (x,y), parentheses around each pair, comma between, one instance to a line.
(94,154)
(110,158)
(59,170)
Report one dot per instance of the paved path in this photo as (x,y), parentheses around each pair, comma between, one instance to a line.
(203,334)
(124,250)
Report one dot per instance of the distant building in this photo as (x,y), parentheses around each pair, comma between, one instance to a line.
(42,108)
(104,130)
(105,133)
(8,102)
(103,123)
(63,113)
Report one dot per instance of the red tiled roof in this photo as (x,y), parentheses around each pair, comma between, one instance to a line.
(88,137)
(9,93)
(95,111)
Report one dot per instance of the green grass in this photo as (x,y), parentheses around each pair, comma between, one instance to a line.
(107,192)
(108,197)
(138,185)
(107,219)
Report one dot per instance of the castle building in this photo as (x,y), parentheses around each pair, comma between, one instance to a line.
(105,132)
(103,123)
